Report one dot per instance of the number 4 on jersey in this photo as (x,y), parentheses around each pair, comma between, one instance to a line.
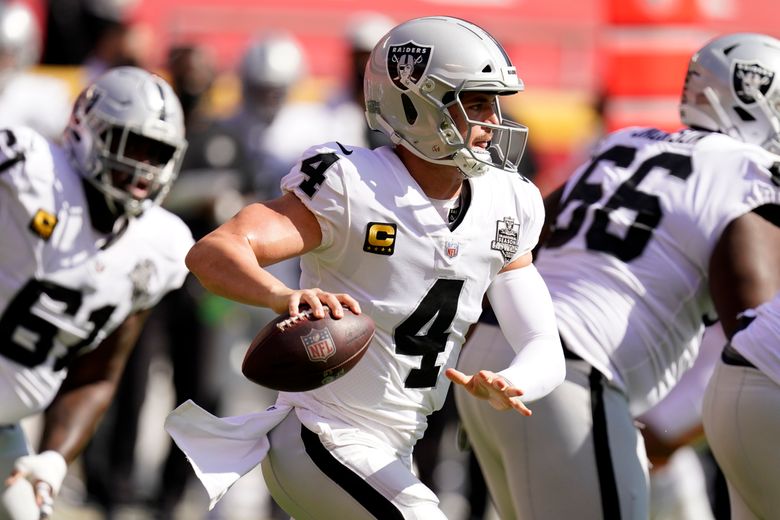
(424,333)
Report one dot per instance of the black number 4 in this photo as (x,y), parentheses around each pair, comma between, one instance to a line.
(315,168)
(628,195)
(440,304)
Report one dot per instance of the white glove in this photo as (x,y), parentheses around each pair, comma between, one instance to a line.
(49,467)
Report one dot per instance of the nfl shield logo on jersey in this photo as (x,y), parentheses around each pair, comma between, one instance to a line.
(452,248)
(750,79)
(319,345)
(406,63)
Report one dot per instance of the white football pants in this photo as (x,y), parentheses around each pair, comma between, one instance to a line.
(311,481)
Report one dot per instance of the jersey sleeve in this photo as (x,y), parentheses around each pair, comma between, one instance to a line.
(736,179)
(531,214)
(17,148)
(319,180)
(173,240)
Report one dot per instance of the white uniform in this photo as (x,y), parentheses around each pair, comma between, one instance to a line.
(741,416)
(384,243)
(627,268)
(61,291)
(37,101)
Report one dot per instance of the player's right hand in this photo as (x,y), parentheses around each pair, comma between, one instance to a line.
(316,299)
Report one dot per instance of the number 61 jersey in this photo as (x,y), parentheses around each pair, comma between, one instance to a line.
(385,244)
(627,262)
(62,288)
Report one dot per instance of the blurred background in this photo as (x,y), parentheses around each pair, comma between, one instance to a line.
(625,57)
(261,81)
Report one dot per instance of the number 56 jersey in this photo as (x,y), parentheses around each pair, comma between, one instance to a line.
(63,287)
(385,244)
(627,262)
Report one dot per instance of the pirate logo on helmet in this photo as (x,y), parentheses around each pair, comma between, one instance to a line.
(407,62)
(750,80)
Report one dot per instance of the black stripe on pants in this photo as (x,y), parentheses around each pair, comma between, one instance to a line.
(351,482)
(610,501)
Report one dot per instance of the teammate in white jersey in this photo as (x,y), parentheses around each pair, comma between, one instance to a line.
(652,237)
(741,417)
(85,253)
(413,235)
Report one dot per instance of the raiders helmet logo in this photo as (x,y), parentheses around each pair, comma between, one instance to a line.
(406,63)
(749,79)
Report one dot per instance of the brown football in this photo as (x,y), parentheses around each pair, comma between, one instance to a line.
(304,353)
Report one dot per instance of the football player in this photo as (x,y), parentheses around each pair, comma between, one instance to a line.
(740,413)
(653,237)
(414,235)
(85,253)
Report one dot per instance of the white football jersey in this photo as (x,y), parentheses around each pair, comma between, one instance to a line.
(61,293)
(627,263)
(385,244)
(38,101)
(759,342)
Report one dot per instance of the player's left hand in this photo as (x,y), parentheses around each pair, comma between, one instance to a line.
(45,471)
(491,387)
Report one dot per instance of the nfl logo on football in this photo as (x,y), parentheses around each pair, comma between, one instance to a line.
(319,345)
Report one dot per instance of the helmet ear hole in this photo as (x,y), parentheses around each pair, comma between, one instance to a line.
(744,114)
(409,111)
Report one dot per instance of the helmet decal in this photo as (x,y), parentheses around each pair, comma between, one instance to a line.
(750,78)
(407,62)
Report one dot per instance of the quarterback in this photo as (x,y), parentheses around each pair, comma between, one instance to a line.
(85,253)
(414,235)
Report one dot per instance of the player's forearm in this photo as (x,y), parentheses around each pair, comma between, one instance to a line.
(226,266)
(72,418)
(524,310)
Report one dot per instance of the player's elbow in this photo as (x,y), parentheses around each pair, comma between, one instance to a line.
(200,262)
(557,366)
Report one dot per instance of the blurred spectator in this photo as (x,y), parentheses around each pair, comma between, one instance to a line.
(271,66)
(33,100)
(348,108)
(93,33)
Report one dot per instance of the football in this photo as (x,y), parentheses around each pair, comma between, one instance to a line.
(300,353)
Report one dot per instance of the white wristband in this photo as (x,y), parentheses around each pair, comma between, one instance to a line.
(49,466)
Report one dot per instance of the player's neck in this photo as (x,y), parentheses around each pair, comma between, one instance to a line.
(437,181)
(102,217)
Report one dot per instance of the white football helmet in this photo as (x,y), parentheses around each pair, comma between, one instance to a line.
(419,69)
(126,137)
(733,87)
(270,67)
(20,40)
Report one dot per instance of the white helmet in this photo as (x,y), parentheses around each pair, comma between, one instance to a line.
(126,137)
(419,69)
(20,41)
(733,87)
(270,67)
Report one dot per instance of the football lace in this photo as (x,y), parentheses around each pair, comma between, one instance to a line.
(292,320)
